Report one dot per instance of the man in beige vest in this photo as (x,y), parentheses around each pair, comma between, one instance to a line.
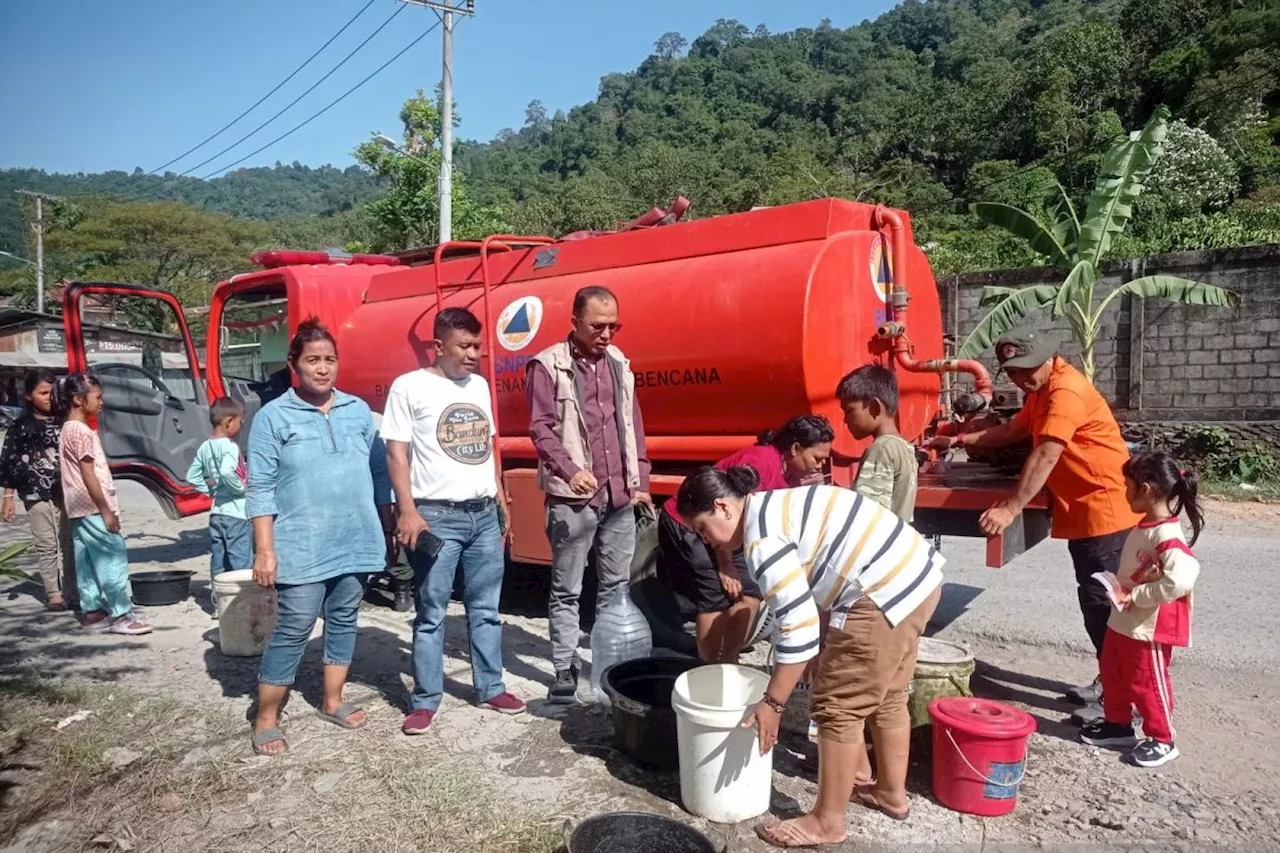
(585,422)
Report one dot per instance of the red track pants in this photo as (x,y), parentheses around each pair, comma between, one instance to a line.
(1136,673)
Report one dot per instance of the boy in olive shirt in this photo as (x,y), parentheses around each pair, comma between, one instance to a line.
(888,473)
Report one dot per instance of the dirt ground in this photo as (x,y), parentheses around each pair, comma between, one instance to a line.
(162,762)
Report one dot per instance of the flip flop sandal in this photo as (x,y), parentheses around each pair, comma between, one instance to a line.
(868,799)
(97,626)
(266,736)
(787,836)
(340,715)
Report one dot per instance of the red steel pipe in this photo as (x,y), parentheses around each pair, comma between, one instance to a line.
(897,327)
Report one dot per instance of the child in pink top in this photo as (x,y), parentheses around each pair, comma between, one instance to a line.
(89,492)
(1151,613)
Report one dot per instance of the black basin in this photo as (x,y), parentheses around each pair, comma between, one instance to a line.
(156,589)
(645,724)
(635,832)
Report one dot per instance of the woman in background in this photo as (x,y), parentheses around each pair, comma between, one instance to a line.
(29,470)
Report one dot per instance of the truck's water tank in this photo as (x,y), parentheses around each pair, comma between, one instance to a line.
(732,324)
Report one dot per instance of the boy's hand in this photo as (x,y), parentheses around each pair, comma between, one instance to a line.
(1123,598)
(9,511)
(112,520)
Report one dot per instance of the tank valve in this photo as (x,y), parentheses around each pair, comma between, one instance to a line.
(968,403)
(891,330)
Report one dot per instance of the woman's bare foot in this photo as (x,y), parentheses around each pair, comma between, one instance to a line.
(355,719)
(267,740)
(801,832)
(890,805)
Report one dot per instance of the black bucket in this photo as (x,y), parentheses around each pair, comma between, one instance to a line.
(635,832)
(156,589)
(643,720)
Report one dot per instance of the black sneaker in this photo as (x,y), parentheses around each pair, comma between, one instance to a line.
(1090,713)
(1153,753)
(1101,733)
(403,602)
(1089,694)
(565,689)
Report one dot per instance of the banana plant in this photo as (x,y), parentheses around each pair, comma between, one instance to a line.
(8,562)
(1077,247)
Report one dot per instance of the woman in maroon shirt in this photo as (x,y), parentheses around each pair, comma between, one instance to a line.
(717,582)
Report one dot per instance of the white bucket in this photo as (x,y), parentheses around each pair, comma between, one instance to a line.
(723,776)
(246,614)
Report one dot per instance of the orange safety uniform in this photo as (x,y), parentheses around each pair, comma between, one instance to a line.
(1087,484)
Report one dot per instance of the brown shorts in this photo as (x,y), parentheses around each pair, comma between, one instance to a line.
(864,669)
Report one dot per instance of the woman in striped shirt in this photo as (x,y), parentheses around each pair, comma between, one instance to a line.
(827,550)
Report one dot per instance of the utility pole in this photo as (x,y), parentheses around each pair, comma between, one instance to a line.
(446,11)
(38,226)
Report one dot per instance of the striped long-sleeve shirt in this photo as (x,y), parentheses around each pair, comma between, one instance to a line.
(821,548)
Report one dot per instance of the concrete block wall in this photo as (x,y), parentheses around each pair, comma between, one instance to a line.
(1163,362)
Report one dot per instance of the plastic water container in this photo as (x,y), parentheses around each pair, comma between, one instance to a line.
(723,776)
(979,754)
(621,633)
(246,613)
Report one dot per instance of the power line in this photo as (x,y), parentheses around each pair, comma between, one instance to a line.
(294,102)
(330,106)
(258,103)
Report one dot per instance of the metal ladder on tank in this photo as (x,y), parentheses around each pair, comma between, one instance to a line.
(492,243)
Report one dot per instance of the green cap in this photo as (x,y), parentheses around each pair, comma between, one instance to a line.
(1025,348)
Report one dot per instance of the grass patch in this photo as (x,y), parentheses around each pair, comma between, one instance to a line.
(193,785)
(1232,490)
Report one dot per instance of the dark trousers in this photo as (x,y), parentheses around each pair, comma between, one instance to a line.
(1095,554)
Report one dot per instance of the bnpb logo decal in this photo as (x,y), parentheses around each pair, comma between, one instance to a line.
(519,322)
(881,269)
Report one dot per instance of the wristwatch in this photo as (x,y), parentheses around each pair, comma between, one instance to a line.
(780,707)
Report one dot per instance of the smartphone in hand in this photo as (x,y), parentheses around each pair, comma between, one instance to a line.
(429,544)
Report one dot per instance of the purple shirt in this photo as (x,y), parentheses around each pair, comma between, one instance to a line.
(599,410)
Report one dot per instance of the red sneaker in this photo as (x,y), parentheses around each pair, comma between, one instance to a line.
(505,703)
(418,722)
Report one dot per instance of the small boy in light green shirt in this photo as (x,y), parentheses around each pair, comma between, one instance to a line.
(219,471)
(889,470)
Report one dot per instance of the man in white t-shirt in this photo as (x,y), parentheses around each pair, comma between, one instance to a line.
(438,426)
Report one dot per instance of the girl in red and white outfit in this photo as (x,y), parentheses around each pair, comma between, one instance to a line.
(1157,571)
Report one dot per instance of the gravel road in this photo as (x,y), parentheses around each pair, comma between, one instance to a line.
(1021,621)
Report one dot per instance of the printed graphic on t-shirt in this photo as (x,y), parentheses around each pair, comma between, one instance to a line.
(463,433)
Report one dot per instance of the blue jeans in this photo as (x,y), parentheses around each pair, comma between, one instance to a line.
(102,567)
(299,605)
(472,541)
(230,544)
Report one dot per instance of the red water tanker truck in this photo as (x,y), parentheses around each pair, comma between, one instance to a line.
(733,324)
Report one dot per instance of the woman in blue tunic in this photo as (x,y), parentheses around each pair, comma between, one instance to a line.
(316,534)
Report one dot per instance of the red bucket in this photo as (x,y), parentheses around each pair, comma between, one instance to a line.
(979,754)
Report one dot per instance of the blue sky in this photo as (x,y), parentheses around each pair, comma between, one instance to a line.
(92,86)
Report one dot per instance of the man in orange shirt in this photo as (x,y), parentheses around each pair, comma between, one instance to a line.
(1078,454)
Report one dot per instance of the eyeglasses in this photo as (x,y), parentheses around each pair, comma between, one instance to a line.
(601,328)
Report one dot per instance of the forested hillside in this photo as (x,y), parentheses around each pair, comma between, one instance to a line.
(931,106)
(281,192)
